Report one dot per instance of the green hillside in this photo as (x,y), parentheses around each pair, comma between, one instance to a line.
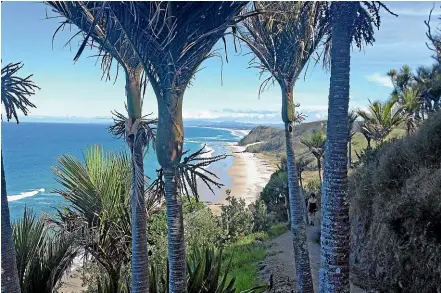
(270,141)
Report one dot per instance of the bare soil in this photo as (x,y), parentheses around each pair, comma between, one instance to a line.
(279,263)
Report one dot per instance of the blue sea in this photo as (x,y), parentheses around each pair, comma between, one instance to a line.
(31,149)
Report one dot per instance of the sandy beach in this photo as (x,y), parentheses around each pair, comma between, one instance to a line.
(249,174)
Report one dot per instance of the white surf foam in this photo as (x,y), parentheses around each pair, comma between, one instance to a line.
(241,133)
(25,194)
(209,151)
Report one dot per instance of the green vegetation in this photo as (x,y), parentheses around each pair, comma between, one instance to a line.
(247,253)
(394,189)
(43,256)
(396,213)
(272,144)
(15,92)
(208,271)
(271,139)
(98,194)
(316,145)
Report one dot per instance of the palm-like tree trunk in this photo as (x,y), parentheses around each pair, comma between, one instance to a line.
(136,140)
(169,144)
(176,243)
(9,283)
(334,267)
(288,212)
(319,166)
(296,203)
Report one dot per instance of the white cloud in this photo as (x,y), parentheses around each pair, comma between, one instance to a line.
(380,79)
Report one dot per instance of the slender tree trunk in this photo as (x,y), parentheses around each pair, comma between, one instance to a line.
(302,194)
(319,166)
(169,143)
(335,228)
(288,213)
(176,241)
(9,283)
(296,203)
(350,153)
(298,228)
(136,141)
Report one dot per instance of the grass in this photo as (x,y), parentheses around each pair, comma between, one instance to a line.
(246,255)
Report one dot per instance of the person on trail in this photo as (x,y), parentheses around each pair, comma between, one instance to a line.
(312,208)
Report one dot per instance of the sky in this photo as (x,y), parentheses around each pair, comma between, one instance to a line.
(74,90)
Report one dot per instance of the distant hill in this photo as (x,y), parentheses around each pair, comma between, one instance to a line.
(270,139)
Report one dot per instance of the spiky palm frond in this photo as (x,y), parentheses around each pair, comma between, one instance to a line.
(411,102)
(411,105)
(381,118)
(316,143)
(118,129)
(284,40)
(98,193)
(43,255)
(16,90)
(99,214)
(301,164)
(188,171)
(99,31)
(428,83)
(206,273)
(366,17)
(352,117)
(172,38)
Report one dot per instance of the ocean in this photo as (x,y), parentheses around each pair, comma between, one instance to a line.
(31,149)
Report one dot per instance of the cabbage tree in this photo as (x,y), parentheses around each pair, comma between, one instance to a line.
(351,21)
(171,40)
(381,118)
(107,36)
(15,93)
(316,145)
(283,42)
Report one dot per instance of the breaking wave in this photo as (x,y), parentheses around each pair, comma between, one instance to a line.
(25,194)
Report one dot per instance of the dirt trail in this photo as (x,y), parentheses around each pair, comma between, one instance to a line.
(280,263)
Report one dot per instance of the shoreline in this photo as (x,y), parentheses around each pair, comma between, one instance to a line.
(249,173)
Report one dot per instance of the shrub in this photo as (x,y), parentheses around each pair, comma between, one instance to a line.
(261,219)
(274,195)
(206,274)
(43,254)
(236,220)
(201,229)
(313,186)
(157,240)
(277,230)
(396,214)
